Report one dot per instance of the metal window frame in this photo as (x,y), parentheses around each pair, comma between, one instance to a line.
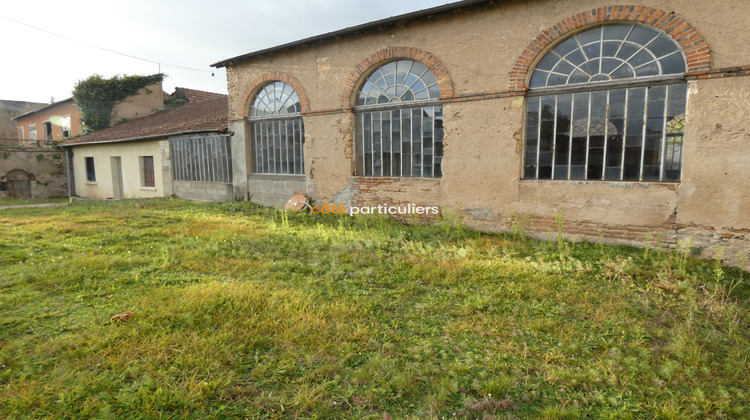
(666,82)
(267,145)
(201,159)
(360,140)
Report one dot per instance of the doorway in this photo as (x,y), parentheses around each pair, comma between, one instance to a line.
(116,178)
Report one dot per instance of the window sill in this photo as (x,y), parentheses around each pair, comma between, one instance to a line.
(669,184)
(90,182)
(149,188)
(277,177)
(399,178)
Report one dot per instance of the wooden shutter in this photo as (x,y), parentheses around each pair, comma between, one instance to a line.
(148,171)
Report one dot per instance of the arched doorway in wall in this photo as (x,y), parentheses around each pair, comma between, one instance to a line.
(19,183)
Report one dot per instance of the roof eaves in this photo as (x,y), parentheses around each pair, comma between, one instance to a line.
(354,29)
(145,138)
(42,109)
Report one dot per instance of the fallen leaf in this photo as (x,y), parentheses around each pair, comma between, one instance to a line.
(123,316)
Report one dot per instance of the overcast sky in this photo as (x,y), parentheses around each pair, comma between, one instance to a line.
(188,33)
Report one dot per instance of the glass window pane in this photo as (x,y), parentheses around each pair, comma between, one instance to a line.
(377,150)
(616,128)
(416,145)
(562,137)
(609,49)
(642,35)
(532,135)
(578,77)
(546,137)
(548,62)
(367,143)
(618,32)
(651,69)
(607,134)
(676,103)
(576,57)
(634,133)
(627,51)
(403,142)
(675,63)
(579,136)
(276,98)
(662,46)
(624,72)
(439,132)
(563,67)
(566,47)
(590,36)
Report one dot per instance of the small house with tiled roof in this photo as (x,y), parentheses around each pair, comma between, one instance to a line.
(182,151)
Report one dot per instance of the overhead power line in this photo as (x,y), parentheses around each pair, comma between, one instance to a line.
(103,48)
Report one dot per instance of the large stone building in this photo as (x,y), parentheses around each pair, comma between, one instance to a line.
(625,121)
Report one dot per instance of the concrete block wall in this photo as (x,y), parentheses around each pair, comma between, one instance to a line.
(275,190)
(203,191)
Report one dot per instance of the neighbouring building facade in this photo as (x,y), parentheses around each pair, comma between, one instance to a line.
(625,119)
(182,151)
(62,119)
(53,122)
(10,110)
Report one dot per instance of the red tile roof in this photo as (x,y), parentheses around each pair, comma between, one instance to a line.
(205,115)
(193,95)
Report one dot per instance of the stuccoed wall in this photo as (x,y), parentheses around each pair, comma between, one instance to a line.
(484,121)
(145,102)
(129,154)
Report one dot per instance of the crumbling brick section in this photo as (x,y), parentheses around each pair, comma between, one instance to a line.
(696,49)
(266,78)
(669,235)
(433,63)
(374,191)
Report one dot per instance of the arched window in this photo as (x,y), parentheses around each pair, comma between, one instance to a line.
(607,104)
(399,122)
(277,131)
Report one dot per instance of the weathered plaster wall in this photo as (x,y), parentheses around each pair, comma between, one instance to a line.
(147,101)
(484,130)
(44,168)
(52,114)
(129,154)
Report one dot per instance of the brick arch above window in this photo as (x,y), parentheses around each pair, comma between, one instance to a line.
(388,54)
(697,51)
(266,78)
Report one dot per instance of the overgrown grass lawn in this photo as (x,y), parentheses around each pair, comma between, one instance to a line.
(247,312)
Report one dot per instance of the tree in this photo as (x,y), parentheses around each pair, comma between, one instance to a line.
(97,96)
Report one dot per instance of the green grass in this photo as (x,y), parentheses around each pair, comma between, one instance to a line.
(249,312)
(6,201)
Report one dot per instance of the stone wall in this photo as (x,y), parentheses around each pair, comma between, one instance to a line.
(32,173)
